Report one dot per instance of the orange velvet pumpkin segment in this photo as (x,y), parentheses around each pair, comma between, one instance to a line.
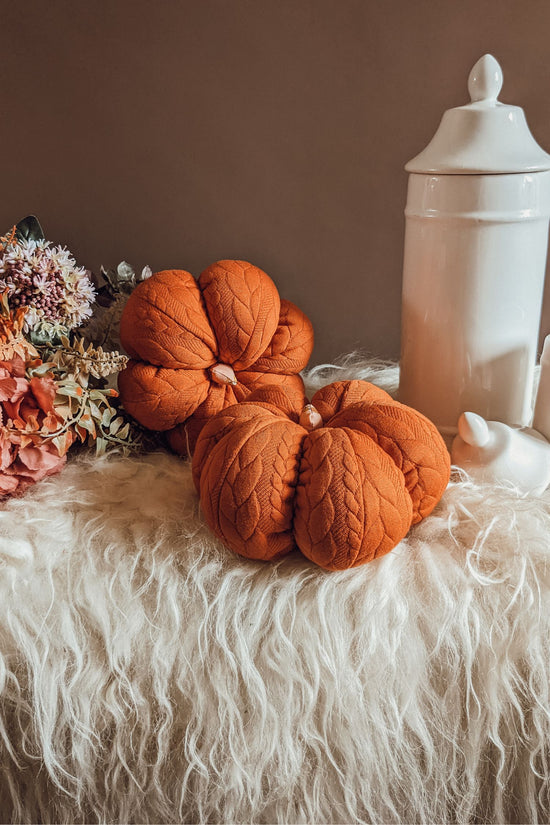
(292,344)
(288,403)
(351,501)
(412,442)
(219,426)
(160,398)
(243,307)
(164,323)
(247,486)
(291,386)
(184,437)
(337,396)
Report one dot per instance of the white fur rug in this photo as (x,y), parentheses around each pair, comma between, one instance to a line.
(148,675)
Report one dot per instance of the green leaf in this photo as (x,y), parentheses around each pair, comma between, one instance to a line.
(87,423)
(63,410)
(108,413)
(123,432)
(29,229)
(62,442)
(41,369)
(71,391)
(81,432)
(95,411)
(99,395)
(111,277)
(116,425)
(101,445)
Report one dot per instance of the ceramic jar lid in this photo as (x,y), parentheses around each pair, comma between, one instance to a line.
(484,136)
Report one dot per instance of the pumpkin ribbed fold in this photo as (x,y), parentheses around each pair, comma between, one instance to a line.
(243,306)
(250,503)
(351,501)
(285,352)
(164,323)
(161,398)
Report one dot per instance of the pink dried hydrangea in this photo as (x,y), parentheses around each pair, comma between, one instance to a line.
(28,420)
(46,280)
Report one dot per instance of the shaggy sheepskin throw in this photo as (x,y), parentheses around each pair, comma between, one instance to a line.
(149,675)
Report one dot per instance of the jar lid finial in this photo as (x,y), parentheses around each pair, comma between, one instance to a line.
(485,80)
(484,136)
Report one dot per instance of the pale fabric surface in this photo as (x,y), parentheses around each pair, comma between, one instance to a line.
(147,675)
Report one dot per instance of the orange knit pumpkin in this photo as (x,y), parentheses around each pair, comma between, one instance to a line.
(197,347)
(344,481)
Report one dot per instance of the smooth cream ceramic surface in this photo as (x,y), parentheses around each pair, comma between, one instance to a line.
(475,253)
(491,451)
(484,136)
(541,414)
(474,263)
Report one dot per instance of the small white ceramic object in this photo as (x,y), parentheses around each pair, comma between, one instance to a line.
(493,451)
(541,415)
(476,236)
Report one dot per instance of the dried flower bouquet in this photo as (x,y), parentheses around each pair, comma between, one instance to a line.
(57,374)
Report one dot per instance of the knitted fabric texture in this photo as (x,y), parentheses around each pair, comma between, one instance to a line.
(198,347)
(344,493)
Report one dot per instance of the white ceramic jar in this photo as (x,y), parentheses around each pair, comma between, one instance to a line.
(477,214)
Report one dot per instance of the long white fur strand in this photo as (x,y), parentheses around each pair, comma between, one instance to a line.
(148,675)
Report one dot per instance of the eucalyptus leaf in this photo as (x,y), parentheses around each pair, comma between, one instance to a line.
(60,442)
(63,410)
(69,390)
(108,413)
(41,369)
(116,425)
(100,445)
(29,229)
(87,423)
(125,272)
(98,395)
(111,278)
(81,432)
(95,411)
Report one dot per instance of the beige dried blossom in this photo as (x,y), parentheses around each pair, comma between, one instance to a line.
(12,340)
(76,359)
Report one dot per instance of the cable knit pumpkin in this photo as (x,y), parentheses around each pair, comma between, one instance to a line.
(343,481)
(199,346)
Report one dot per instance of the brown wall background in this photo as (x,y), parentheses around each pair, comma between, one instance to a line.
(179,132)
